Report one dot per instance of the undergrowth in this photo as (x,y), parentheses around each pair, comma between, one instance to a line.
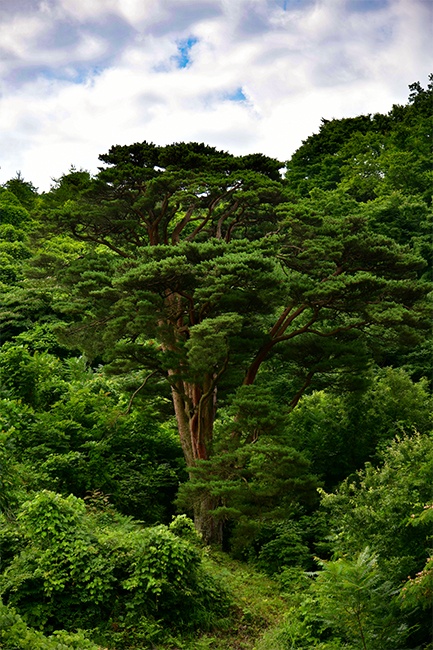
(257,606)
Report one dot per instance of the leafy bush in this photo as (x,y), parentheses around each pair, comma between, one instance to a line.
(354,600)
(348,605)
(375,507)
(388,509)
(87,569)
(277,546)
(11,211)
(9,478)
(417,592)
(184,527)
(15,633)
(339,433)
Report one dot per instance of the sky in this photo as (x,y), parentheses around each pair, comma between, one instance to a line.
(245,76)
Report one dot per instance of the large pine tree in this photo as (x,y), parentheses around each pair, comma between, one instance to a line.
(197,267)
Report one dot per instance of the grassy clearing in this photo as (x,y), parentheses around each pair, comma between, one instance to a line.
(259,606)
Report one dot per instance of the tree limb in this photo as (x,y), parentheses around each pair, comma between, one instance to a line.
(128,410)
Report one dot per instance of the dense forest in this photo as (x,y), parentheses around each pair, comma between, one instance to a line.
(216,396)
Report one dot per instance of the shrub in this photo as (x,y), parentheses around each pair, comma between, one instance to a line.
(354,599)
(279,545)
(14,633)
(375,507)
(78,568)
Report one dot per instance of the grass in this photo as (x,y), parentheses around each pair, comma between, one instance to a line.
(258,607)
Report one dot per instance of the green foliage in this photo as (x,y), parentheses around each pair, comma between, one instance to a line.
(80,439)
(25,307)
(225,281)
(318,162)
(374,507)
(407,219)
(253,477)
(24,191)
(358,600)
(9,234)
(369,155)
(13,251)
(15,633)
(79,568)
(14,475)
(354,600)
(171,183)
(340,432)
(348,604)
(9,471)
(27,376)
(385,508)
(417,592)
(67,187)
(184,528)
(11,210)
(279,547)
(39,337)
(394,403)
(50,517)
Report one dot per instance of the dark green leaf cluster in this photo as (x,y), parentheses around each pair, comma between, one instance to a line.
(161,195)
(375,507)
(74,436)
(363,597)
(86,569)
(24,191)
(339,432)
(254,476)
(15,633)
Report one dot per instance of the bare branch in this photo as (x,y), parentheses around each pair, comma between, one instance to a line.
(92,324)
(103,242)
(180,226)
(128,410)
(299,394)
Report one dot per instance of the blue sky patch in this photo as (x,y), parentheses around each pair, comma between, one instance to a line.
(236,96)
(73,74)
(184,48)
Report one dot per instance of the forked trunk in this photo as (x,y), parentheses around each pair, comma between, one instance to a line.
(195,413)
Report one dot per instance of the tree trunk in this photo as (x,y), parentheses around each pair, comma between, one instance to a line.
(183,425)
(210,528)
(195,409)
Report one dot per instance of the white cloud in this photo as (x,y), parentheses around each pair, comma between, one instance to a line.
(329,58)
(18,34)
(84,9)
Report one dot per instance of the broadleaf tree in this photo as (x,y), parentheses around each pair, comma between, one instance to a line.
(197,266)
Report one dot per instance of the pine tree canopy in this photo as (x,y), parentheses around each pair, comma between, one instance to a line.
(198,266)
